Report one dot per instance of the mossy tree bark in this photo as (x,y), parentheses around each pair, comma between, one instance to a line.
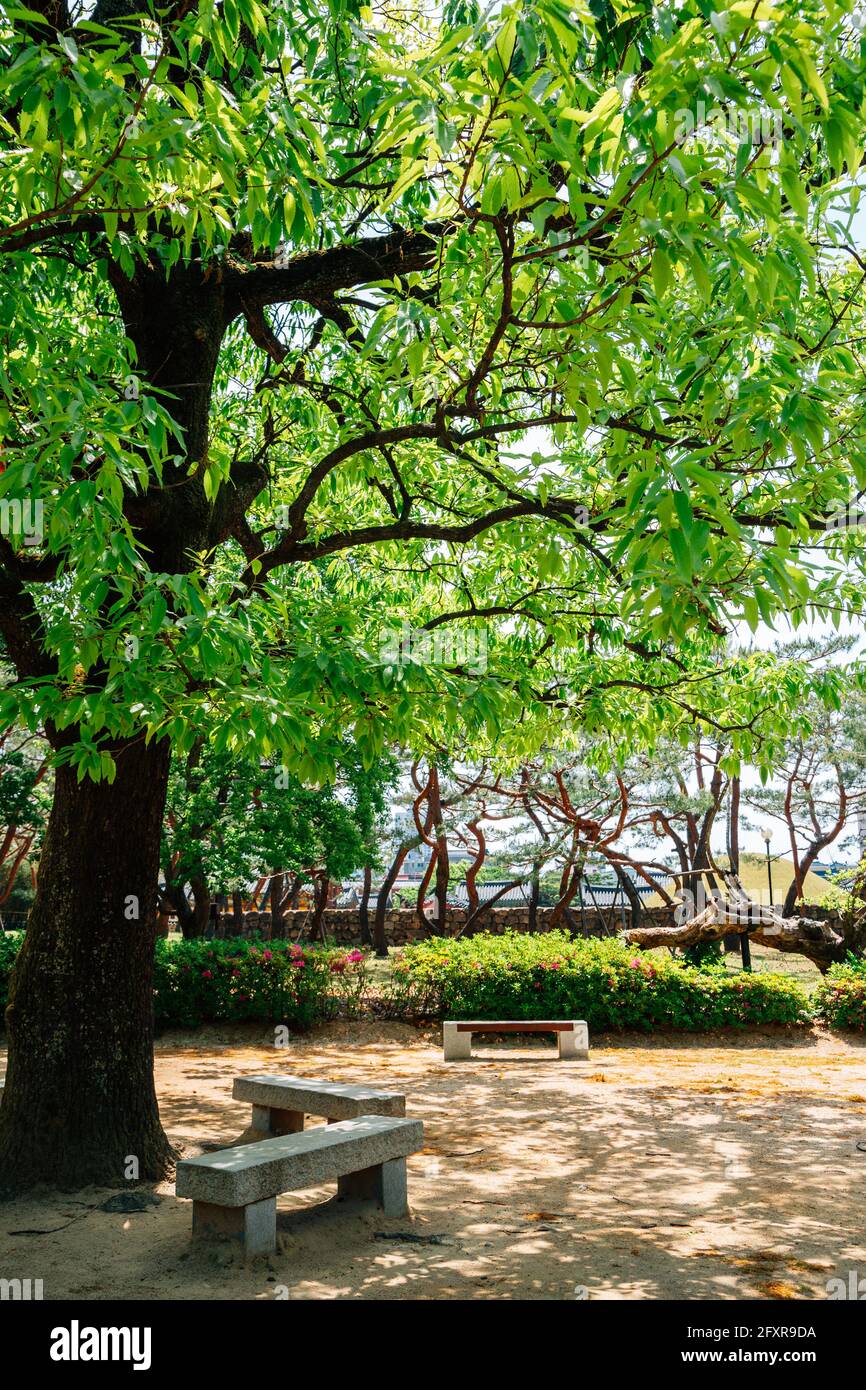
(79,1103)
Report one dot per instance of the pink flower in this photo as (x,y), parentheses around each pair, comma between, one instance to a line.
(267,955)
(206,975)
(236,972)
(355,956)
(634,964)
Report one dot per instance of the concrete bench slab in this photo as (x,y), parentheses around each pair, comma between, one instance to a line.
(281,1102)
(234,1190)
(572,1034)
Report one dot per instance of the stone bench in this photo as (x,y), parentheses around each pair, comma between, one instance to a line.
(572,1035)
(234,1191)
(281,1102)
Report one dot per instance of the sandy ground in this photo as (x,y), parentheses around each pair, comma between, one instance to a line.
(710,1168)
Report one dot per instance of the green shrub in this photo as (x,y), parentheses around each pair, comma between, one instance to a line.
(10,943)
(204,981)
(275,981)
(704,955)
(840,999)
(609,984)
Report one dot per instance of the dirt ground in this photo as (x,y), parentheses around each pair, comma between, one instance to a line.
(665,1167)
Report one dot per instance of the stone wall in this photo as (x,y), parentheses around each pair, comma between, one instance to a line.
(343,925)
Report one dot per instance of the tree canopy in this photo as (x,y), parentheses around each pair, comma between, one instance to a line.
(493,331)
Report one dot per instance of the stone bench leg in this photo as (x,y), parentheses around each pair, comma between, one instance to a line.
(456,1045)
(274,1121)
(575,1043)
(384,1183)
(255,1225)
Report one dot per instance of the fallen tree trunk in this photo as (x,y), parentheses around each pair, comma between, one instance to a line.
(806,936)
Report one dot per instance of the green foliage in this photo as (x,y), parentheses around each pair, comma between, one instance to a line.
(10,945)
(231,818)
(197,982)
(25,798)
(607,983)
(619,310)
(704,955)
(840,999)
(200,981)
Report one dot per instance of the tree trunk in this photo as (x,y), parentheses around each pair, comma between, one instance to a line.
(630,892)
(175,897)
(237,917)
(380,937)
(364,907)
(474,826)
(321,888)
(278,906)
(79,1102)
(442,867)
(534,894)
(475,920)
(201,899)
(816,940)
(426,926)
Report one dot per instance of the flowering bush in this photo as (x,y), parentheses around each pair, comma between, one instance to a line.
(840,999)
(609,984)
(220,981)
(228,981)
(277,981)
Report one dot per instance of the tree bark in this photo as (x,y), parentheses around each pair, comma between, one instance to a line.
(442,867)
(278,906)
(237,917)
(380,938)
(201,900)
(321,888)
(364,907)
(534,894)
(630,891)
(79,1100)
(814,939)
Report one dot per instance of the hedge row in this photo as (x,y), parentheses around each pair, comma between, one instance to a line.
(609,984)
(198,982)
(840,999)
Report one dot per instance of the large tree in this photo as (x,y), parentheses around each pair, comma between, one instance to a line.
(541,325)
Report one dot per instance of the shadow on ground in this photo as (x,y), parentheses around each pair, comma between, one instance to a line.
(662,1168)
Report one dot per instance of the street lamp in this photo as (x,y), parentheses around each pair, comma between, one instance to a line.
(766,836)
